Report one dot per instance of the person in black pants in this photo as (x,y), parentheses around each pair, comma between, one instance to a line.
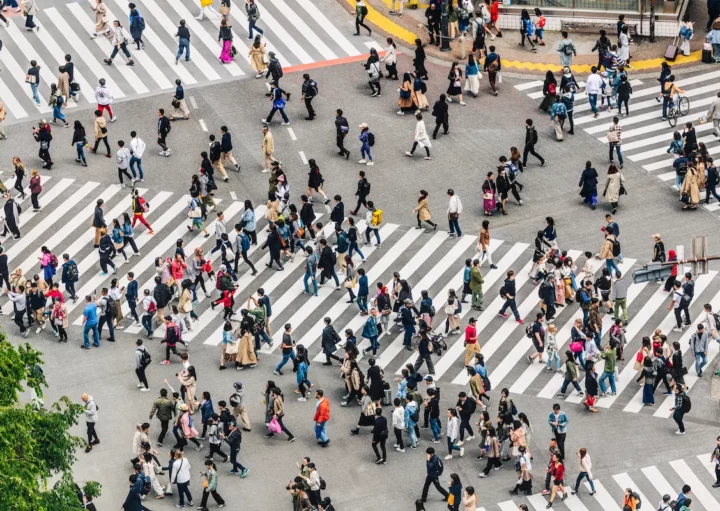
(363,190)
(433,24)
(242,244)
(342,128)
(309,89)
(380,436)
(433,473)
(4,270)
(531,139)
(307,214)
(360,12)
(440,112)
(465,408)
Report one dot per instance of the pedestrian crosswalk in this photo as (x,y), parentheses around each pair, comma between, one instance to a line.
(650,483)
(429,261)
(297,31)
(645,136)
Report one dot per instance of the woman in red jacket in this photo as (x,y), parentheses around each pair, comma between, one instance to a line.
(494,15)
(558,479)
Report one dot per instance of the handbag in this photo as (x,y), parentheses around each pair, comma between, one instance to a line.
(576,346)
(31,79)
(350,283)
(685,198)
(194,213)
(612,136)
(279,104)
(499,77)
(623,191)
(187,307)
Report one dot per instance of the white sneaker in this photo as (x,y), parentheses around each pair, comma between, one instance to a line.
(362,161)
(265,171)
(370,163)
(467,439)
(302,399)
(113,119)
(140,385)
(37,330)
(144,389)
(460,443)
(448,457)
(462,452)
(400,450)
(678,432)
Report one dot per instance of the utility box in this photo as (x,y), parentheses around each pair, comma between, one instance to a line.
(699,247)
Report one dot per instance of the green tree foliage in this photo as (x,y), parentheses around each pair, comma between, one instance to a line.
(36,450)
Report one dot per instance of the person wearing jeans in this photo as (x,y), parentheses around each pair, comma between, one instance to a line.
(677,409)
(609,355)
(593,85)
(310,270)
(585,466)
(322,415)
(571,374)
(183,35)
(699,342)
(365,154)
(253,14)
(454,211)
(33,78)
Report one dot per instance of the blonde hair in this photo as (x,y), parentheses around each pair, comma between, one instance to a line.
(34,172)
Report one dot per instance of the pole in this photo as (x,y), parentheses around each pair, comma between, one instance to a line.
(652,21)
(445,39)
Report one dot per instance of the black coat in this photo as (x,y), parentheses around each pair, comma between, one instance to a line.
(440,111)
(380,428)
(375,382)
(588,182)
(591,384)
(272,243)
(326,262)
(161,294)
(307,214)
(329,339)
(338,213)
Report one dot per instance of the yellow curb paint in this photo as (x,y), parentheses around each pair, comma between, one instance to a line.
(585,68)
(389,5)
(376,18)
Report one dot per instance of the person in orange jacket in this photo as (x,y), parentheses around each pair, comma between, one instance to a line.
(322,415)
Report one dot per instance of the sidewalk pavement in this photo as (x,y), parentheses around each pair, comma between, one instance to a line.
(644,55)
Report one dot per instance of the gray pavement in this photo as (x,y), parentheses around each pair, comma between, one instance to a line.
(622,438)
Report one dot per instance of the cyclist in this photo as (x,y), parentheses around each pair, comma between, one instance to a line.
(669,89)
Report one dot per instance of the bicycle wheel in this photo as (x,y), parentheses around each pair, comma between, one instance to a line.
(684,105)
(672,118)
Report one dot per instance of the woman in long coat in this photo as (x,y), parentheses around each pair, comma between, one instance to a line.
(257,57)
(188,379)
(246,350)
(375,381)
(489,189)
(101,19)
(63,84)
(588,185)
(422,211)
(612,186)
(690,187)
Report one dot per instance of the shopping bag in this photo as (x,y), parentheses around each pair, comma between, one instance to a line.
(499,77)
(274,426)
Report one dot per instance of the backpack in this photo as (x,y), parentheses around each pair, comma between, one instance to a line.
(110,305)
(53,261)
(144,205)
(72,272)
(543,289)
(363,10)
(552,89)
(513,408)
(244,242)
(377,217)
(639,501)
(535,135)
(314,87)
(616,248)
(440,465)
(141,23)
(562,111)
(686,404)
(542,21)
(145,358)
(486,382)
(333,255)
(529,330)
(366,188)
(503,293)
(323,484)
(529,29)
(716,317)
(371,139)
(415,416)
(567,49)
(152,307)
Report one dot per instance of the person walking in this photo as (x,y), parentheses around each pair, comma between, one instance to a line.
(30,9)
(434,468)
(440,112)
(558,422)
(253,15)
(142,361)
(558,114)
(79,140)
(101,133)
(268,147)
(454,211)
(321,417)
(137,149)
(35,189)
(226,148)
(137,26)
(43,136)
(421,138)
(422,211)
(566,49)
(380,436)
(365,139)
(180,109)
(278,104)
(180,473)
(119,42)
(104,99)
(360,12)
(183,35)
(225,35)
(163,130)
(309,91)
(123,162)
(139,208)
(164,410)
(342,128)
(101,19)
(614,138)
(91,418)
(33,78)
(588,185)
(614,186)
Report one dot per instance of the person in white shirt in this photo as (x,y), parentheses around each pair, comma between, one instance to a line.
(123,162)
(453,430)
(398,422)
(593,84)
(180,475)
(707,318)
(104,97)
(119,42)
(421,138)
(454,211)
(137,149)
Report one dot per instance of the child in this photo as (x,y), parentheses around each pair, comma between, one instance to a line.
(540,21)
(551,348)
(207,268)
(226,301)
(56,101)
(229,346)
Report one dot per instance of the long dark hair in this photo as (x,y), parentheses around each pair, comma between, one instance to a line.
(423,195)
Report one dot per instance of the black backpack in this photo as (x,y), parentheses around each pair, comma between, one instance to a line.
(616,248)
(72,271)
(686,404)
(441,467)
(145,358)
(371,139)
(110,305)
(529,330)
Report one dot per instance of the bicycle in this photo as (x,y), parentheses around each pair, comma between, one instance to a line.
(683,107)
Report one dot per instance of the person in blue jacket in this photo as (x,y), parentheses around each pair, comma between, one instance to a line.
(70,276)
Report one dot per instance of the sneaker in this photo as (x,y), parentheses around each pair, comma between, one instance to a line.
(545,492)
(462,451)
(448,457)
(482,475)
(144,389)
(302,399)
(678,432)
(520,321)
(363,161)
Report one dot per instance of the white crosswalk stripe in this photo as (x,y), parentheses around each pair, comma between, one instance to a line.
(645,136)
(297,31)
